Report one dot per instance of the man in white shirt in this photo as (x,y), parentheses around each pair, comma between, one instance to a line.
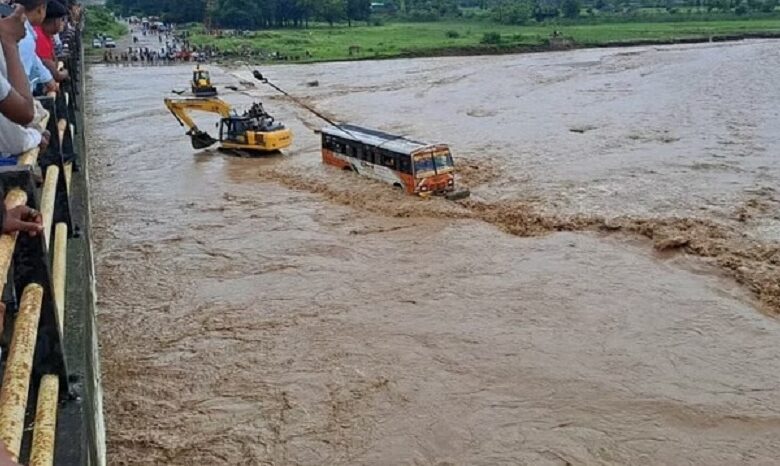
(16,102)
(37,73)
(14,138)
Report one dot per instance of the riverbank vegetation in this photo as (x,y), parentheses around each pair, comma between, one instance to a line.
(323,43)
(320,30)
(101,21)
(269,14)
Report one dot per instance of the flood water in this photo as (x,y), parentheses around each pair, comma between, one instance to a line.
(276,311)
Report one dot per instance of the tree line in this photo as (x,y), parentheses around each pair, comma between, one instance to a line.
(261,14)
(247,14)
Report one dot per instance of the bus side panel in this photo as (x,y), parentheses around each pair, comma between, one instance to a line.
(408,182)
(385,174)
(330,158)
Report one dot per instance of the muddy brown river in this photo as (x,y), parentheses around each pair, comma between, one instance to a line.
(607,295)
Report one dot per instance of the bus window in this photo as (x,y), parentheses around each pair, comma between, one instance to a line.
(350,151)
(443,161)
(389,159)
(423,164)
(365,153)
(338,145)
(405,163)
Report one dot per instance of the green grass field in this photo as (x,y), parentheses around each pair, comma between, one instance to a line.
(326,43)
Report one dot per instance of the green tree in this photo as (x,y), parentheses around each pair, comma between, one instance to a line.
(332,11)
(240,14)
(513,11)
(769,6)
(570,8)
(358,10)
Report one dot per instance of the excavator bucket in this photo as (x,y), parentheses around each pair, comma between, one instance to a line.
(201,139)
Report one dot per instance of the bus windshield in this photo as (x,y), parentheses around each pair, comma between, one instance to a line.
(423,164)
(443,162)
(429,164)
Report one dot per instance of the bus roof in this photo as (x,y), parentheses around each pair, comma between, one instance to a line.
(377,138)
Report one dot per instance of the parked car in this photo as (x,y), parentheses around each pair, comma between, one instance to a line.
(97,43)
(109,43)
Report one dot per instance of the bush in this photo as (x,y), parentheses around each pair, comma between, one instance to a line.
(452,34)
(741,10)
(492,38)
(422,16)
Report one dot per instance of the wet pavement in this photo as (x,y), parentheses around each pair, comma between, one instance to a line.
(275,311)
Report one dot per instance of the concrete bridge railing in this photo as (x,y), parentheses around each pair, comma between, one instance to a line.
(50,398)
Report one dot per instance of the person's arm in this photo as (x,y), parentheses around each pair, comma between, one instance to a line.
(15,139)
(42,73)
(2,222)
(51,65)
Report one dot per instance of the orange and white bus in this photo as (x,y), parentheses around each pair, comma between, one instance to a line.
(416,167)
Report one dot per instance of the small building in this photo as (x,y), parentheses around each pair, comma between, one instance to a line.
(381,7)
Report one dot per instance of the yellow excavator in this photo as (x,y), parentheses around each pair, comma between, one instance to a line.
(201,83)
(254,131)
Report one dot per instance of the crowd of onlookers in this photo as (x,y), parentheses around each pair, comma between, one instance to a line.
(33,34)
(166,47)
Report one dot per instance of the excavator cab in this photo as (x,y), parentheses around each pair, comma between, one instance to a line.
(201,83)
(254,128)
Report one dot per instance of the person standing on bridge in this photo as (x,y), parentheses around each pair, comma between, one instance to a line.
(37,73)
(17,106)
(53,24)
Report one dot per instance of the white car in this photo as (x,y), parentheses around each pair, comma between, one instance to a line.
(109,43)
(97,44)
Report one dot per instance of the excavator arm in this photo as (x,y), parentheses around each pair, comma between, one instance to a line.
(180,108)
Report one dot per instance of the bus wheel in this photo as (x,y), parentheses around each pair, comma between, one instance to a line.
(349,168)
(398,185)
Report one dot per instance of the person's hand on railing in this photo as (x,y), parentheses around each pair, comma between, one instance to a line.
(5,456)
(24,219)
(45,140)
(52,86)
